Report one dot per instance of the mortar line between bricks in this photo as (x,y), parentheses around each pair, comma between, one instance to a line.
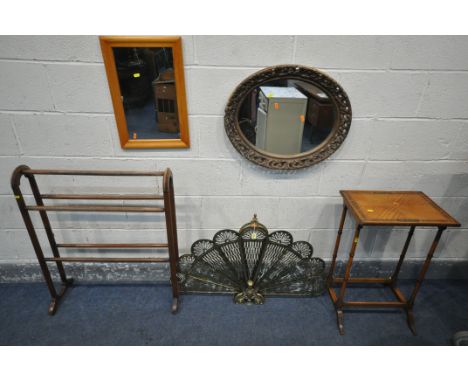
(52,62)
(238,67)
(233,160)
(18,142)
(294,49)
(123,157)
(57,112)
(334,69)
(110,133)
(111,114)
(88,113)
(50,88)
(422,97)
(195,52)
(412,119)
(256,196)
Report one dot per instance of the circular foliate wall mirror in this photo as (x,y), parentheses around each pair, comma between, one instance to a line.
(287,117)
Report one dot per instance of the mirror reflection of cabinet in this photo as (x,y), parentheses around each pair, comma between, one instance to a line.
(146,80)
(280,119)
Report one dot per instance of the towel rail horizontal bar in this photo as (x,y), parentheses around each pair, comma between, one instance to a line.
(106,260)
(92,172)
(103,196)
(96,208)
(112,245)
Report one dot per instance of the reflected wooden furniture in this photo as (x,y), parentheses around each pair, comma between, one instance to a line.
(385,208)
(168,209)
(166,105)
(320,109)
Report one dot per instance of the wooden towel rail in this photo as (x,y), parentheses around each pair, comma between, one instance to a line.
(42,209)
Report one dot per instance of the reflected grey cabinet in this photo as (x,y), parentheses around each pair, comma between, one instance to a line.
(280,119)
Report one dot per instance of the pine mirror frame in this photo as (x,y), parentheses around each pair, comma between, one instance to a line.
(174,42)
(334,140)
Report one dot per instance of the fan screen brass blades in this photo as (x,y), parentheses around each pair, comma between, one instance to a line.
(252,264)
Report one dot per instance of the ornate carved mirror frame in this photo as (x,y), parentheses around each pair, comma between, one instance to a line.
(338,133)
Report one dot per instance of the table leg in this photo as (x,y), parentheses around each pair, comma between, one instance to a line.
(337,246)
(340,300)
(394,276)
(422,274)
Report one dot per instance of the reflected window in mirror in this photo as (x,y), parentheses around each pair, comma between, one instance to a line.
(146,81)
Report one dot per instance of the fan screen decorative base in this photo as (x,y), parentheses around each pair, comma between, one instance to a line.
(252,264)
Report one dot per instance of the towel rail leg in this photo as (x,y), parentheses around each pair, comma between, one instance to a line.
(15,184)
(47,226)
(171,237)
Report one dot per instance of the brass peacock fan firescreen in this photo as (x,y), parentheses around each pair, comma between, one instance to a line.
(252,264)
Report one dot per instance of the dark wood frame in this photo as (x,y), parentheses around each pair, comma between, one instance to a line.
(401,301)
(174,42)
(168,210)
(282,162)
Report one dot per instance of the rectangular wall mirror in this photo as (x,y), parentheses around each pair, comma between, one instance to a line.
(146,81)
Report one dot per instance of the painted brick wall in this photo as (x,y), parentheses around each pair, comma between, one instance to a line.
(410,131)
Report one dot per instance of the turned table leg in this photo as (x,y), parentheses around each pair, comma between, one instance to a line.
(419,280)
(340,301)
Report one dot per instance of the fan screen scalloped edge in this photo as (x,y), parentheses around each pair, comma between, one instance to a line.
(252,266)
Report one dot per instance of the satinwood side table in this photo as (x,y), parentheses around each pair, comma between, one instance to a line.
(385,208)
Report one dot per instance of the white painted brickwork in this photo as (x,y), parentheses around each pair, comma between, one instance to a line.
(410,131)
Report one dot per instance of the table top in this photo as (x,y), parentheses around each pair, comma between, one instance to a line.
(408,208)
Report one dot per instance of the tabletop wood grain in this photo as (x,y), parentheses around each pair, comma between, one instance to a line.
(408,208)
